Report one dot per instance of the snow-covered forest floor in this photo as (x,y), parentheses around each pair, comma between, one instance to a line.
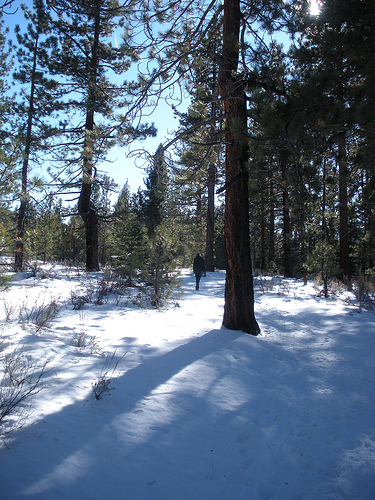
(192,410)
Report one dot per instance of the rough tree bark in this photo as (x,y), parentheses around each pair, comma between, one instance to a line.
(85,210)
(239,293)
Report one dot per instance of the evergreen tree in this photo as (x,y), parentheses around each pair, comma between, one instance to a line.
(130,241)
(46,237)
(85,56)
(9,148)
(335,59)
(163,263)
(154,196)
(39,102)
(202,137)
(100,200)
(163,238)
(237,58)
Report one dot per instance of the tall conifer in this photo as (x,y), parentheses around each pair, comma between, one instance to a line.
(92,58)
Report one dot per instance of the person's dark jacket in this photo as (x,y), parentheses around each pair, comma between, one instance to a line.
(198,265)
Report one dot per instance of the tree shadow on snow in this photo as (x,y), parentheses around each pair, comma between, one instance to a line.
(225,415)
(80,457)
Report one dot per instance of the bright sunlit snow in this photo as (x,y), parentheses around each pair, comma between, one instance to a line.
(195,411)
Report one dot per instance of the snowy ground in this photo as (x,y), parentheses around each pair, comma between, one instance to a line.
(196,411)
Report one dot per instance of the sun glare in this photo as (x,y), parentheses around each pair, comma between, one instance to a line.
(314,7)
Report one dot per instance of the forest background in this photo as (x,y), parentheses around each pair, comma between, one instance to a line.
(286,132)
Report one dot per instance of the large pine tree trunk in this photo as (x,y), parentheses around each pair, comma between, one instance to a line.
(85,210)
(239,294)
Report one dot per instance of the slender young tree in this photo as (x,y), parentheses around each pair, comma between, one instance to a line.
(130,241)
(39,103)
(210,221)
(8,149)
(155,194)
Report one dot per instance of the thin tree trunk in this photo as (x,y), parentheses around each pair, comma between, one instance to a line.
(22,212)
(239,294)
(288,268)
(343,208)
(271,250)
(302,220)
(262,233)
(211,179)
(210,219)
(324,237)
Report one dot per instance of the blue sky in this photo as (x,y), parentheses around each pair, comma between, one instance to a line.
(123,165)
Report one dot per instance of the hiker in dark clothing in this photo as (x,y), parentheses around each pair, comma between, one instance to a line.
(198,269)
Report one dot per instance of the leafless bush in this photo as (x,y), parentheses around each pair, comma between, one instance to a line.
(83,341)
(104,288)
(101,385)
(265,284)
(9,308)
(45,273)
(45,315)
(114,283)
(284,288)
(80,298)
(21,380)
(364,291)
(80,339)
(3,344)
(41,315)
(33,268)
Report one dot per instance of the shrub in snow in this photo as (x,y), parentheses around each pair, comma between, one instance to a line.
(5,280)
(104,288)
(33,268)
(45,314)
(3,344)
(101,385)
(265,283)
(284,288)
(41,314)
(9,308)
(21,379)
(364,291)
(83,341)
(80,298)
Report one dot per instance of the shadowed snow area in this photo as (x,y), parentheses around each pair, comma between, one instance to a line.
(196,411)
